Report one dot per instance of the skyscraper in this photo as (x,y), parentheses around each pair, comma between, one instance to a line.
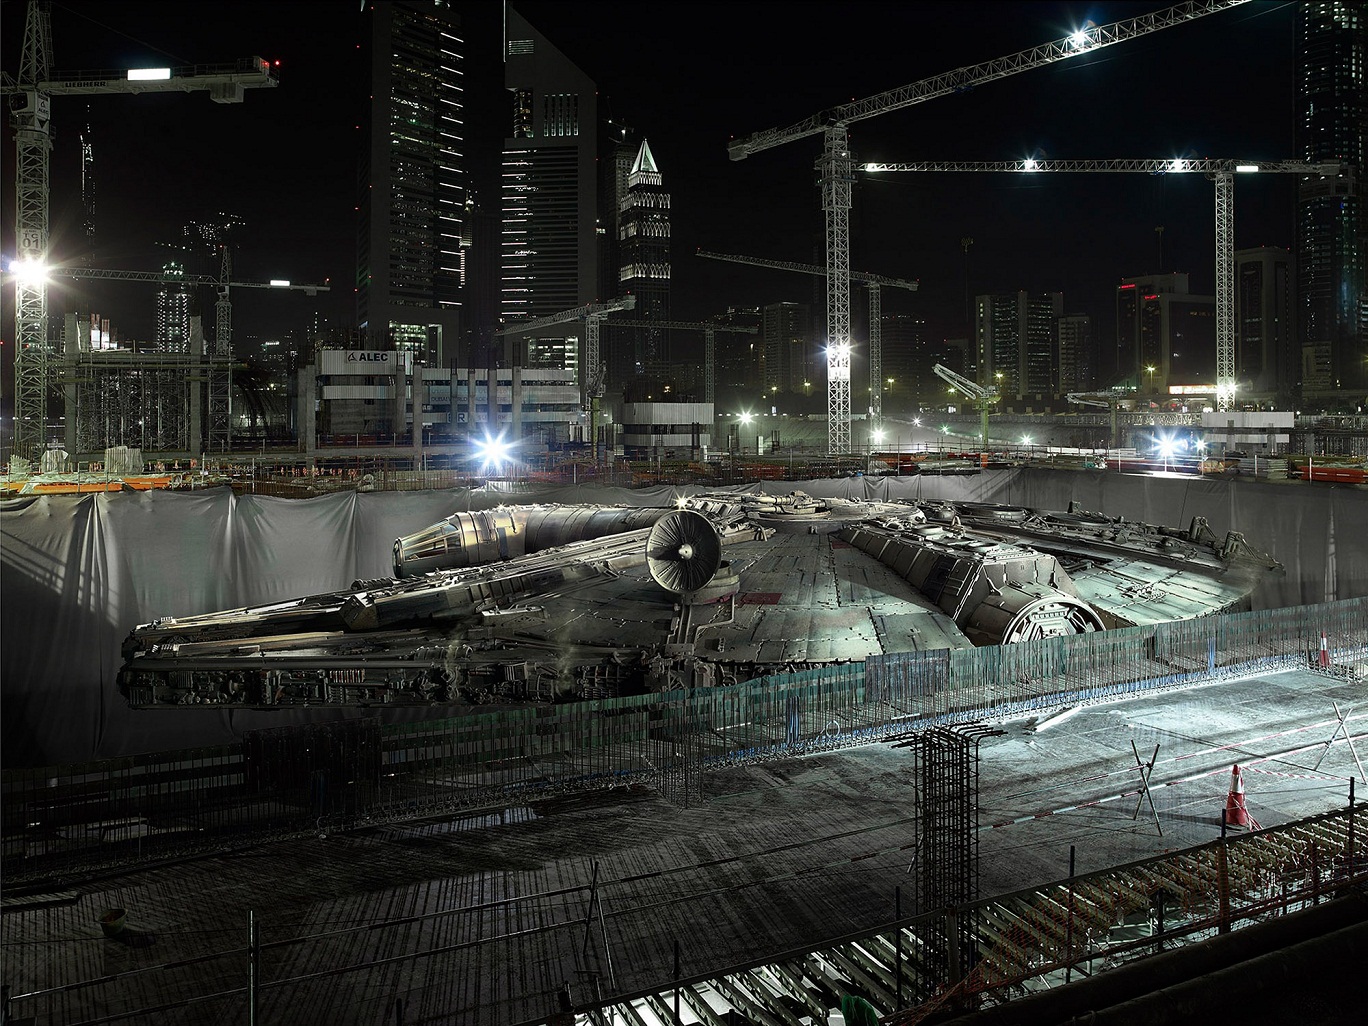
(1017,341)
(1075,368)
(550,211)
(173,310)
(1266,347)
(1164,334)
(787,334)
(412,182)
(1332,37)
(644,252)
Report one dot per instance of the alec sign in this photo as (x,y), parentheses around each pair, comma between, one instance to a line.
(359,361)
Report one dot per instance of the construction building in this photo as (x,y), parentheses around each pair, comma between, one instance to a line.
(369,398)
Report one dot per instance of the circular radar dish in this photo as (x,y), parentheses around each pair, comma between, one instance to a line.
(683,551)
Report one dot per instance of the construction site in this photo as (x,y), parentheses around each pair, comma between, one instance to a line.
(1006,731)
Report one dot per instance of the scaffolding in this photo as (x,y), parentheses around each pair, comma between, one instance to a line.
(148,401)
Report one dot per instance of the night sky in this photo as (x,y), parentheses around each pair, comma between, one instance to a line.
(689,77)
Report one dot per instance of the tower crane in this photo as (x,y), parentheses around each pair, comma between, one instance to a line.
(873,282)
(981,396)
(1221,172)
(593,373)
(835,167)
(31,105)
(221,359)
(709,344)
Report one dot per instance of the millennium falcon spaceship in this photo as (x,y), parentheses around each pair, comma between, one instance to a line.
(545,603)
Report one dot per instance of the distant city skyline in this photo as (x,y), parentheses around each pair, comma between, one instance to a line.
(286,158)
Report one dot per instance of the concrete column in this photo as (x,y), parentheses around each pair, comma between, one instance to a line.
(419,400)
(399,410)
(493,385)
(306,414)
(198,383)
(71,346)
(516,433)
(470,401)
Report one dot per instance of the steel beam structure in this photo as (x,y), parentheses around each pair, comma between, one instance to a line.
(835,166)
(873,282)
(36,85)
(1221,172)
(709,344)
(33,145)
(220,356)
(1225,289)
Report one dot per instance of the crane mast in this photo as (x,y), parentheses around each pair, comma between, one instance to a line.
(32,95)
(1220,172)
(835,166)
(874,283)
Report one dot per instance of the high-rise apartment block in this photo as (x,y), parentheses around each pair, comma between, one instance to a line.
(1332,251)
(1164,334)
(1266,349)
(549,244)
(786,329)
(412,186)
(1016,341)
(1075,366)
(173,310)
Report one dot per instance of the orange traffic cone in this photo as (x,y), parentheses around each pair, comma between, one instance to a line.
(1235,812)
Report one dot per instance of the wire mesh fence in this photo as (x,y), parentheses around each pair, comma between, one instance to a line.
(323,777)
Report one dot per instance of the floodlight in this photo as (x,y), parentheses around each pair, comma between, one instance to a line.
(29,272)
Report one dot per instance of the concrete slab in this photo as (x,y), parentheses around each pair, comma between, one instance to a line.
(483,919)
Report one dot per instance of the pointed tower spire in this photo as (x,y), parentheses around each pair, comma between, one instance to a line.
(645,161)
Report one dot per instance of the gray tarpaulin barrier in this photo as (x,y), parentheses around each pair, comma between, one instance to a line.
(77,573)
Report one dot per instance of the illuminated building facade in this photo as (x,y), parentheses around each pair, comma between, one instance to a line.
(1332,265)
(1164,334)
(413,186)
(549,242)
(644,252)
(173,310)
(1016,337)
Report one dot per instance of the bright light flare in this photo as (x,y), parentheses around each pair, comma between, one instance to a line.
(493,452)
(746,418)
(149,74)
(1246,169)
(1081,38)
(878,437)
(29,272)
(1025,439)
(280,283)
(1030,164)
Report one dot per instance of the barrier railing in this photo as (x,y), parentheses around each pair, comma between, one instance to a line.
(58,821)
